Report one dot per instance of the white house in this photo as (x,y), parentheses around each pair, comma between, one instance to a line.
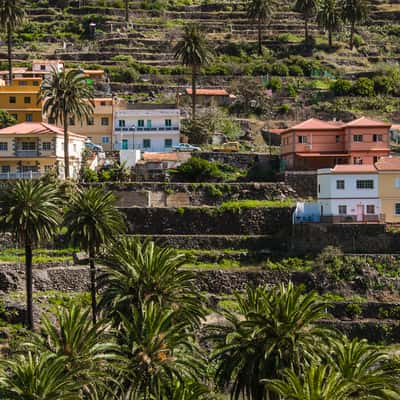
(147,127)
(348,193)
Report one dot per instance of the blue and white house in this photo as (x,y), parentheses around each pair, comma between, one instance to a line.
(147,127)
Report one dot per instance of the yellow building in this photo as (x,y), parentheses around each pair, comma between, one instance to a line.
(31,149)
(21,99)
(99,127)
(389,187)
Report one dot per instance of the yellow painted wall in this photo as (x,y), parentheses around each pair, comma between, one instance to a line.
(389,194)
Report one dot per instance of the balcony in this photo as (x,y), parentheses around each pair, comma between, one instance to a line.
(26,153)
(10,176)
(133,130)
(354,219)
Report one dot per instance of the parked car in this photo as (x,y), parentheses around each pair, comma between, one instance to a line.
(229,147)
(186,147)
(93,147)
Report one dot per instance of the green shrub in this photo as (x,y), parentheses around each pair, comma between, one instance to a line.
(214,191)
(353,310)
(275,84)
(280,69)
(383,85)
(198,170)
(284,108)
(88,175)
(363,87)
(295,70)
(358,41)
(341,87)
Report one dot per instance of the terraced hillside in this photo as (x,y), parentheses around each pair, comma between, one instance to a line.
(140,59)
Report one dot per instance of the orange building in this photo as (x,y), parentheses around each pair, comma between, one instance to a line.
(315,144)
(21,99)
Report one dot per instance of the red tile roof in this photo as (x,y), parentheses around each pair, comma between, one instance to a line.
(172,156)
(323,154)
(33,128)
(353,168)
(208,92)
(315,124)
(388,164)
(367,122)
(395,127)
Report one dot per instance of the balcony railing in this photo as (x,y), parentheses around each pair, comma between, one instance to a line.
(26,153)
(150,130)
(9,176)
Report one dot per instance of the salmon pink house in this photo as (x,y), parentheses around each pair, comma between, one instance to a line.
(315,144)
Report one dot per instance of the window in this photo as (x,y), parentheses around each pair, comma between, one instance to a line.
(319,188)
(148,124)
(5,169)
(167,143)
(90,121)
(46,146)
(342,210)
(397,183)
(43,67)
(104,121)
(102,103)
(303,139)
(140,123)
(15,116)
(74,148)
(337,139)
(23,83)
(28,117)
(340,184)
(121,123)
(397,208)
(357,160)
(124,144)
(365,184)
(377,138)
(376,159)
(168,123)
(105,140)
(52,121)
(27,100)
(357,138)
(35,83)
(28,146)
(146,143)
(12,100)
(3,146)
(71,121)
(370,209)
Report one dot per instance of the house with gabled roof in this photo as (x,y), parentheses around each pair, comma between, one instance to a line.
(315,143)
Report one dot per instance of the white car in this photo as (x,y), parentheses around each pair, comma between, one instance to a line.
(186,147)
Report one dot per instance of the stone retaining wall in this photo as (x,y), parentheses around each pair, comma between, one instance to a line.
(303,182)
(192,221)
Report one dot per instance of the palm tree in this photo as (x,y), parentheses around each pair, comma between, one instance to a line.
(155,352)
(139,272)
(193,51)
(362,366)
(273,330)
(127,10)
(84,346)
(308,9)
(65,95)
(31,210)
(12,13)
(318,382)
(40,376)
(93,220)
(260,12)
(330,17)
(354,12)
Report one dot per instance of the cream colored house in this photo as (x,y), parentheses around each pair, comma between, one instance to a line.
(31,149)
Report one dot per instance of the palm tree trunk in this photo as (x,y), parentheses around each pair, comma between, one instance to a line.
(127,10)
(330,37)
(352,29)
(306,29)
(29,283)
(9,48)
(194,77)
(260,51)
(66,146)
(93,285)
